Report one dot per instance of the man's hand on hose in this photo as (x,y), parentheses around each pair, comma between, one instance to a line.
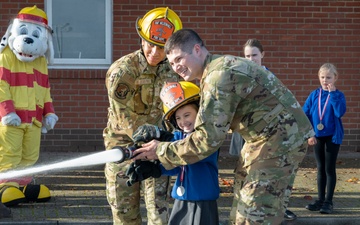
(148,132)
(141,170)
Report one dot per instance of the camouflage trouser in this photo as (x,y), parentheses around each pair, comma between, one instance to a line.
(263,187)
(125,201)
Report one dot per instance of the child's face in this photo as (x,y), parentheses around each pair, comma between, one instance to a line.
(253,54)
(326,78)
(185,117)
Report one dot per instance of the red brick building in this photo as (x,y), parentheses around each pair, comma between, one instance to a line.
(298,37)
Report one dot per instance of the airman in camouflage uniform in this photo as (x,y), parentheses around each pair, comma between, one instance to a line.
(237,94)
(134,83)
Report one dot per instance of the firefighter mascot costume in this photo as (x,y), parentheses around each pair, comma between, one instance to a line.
(26,108)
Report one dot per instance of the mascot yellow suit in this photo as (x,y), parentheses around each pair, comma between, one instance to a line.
(26,108)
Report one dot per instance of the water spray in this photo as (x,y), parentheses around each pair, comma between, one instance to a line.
(117,154)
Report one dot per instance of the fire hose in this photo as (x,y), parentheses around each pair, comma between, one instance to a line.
(117,154)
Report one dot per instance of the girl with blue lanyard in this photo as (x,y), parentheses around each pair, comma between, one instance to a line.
(325,107)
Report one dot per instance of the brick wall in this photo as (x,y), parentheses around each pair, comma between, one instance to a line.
(298,37)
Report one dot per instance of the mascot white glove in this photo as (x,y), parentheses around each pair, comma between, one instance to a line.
(11,119)
(43,130)
(49,123)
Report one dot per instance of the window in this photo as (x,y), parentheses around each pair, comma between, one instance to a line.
(82,32)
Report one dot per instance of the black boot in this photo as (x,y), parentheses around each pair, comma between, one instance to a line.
(289,215)
(316,206)
(327,208)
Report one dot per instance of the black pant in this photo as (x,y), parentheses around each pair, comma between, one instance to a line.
(326,154)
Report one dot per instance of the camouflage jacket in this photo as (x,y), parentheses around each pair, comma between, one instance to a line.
(134,96)
(237,94)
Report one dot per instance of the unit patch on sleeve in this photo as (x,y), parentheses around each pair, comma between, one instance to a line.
(122,90)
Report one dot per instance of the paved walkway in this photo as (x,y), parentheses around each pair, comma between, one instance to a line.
(78,196)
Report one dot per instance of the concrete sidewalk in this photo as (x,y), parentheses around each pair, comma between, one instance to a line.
(78,195)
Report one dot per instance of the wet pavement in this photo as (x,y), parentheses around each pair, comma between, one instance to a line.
(78,195)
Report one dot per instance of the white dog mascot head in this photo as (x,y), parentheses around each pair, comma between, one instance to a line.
(29,35)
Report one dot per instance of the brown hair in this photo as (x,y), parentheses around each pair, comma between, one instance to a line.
(184,39)
(254,43)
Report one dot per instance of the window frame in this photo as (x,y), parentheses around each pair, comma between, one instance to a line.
(76,63)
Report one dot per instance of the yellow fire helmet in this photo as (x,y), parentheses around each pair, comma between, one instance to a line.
(33,15)
(176,94)
(158,25)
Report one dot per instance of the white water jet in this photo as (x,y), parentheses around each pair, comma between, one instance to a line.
(103,157)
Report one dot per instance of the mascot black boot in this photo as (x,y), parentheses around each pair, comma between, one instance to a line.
(11,196)
(36,193)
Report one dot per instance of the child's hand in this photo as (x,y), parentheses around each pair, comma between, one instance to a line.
(312,141)
(331,87)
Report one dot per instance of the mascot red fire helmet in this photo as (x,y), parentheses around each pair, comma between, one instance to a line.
(33,15)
